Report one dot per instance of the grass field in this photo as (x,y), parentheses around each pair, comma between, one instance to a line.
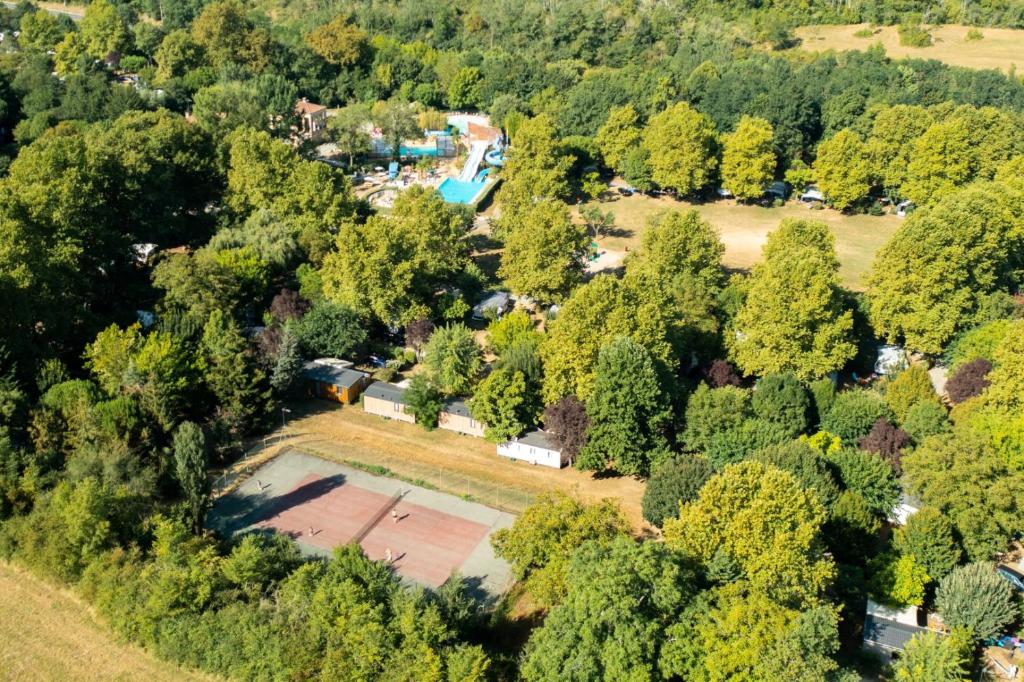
(744,229)
(1000,48)
(48,634)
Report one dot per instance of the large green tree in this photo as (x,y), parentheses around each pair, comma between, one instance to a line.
(544,252)
(453,358)
(842,169)
(629,411)
(619,134)
(682,144)
(794,319)
(976,598)
(748,158)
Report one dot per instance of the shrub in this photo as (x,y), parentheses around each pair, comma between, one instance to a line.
(973,35)
(722,373)
(976,598)
(823,394)
(886,440)
(969,380)
(914,35)
(424,401)
(710,411)
(928,535)
(852,415)
(673,482)
(897,580)
(865,32)
(907,388)
(980,342)
(926,419)
(782,400)
(739,442)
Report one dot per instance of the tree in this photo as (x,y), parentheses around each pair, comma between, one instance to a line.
(338,42)
(767,523)
(793,319)
(397,122)
(940,161)
(906,389)
(897,580)
(869,476)
(190,469)
(974,597)
(610,623)
(544,252)
(711,411)
(842,169)
(806,465)
(852,528)
(40,31)
(391,267)
(673,482)
(619,134)
(567,422)
(464,88)
(887,441)
(629,411)
(722,373)
(929,278)
(102,30)
(501,404)
(928,537)
(348,130)
(853,414)
(453,358)
(636,169)
(962,476)
(232,375)
(540,543)
(177,55)
(931,656)
(331,330)
(511,330)
(288,364)
(536,168)
(782,400)
(682,144)
(227,36)
(926,419)
(424,401)
(678,251)
(748,158)
(969,380)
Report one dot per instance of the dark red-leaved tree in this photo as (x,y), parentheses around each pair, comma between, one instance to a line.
(567,423)
(288,305)
(888,441)
(418,332)
(722,373)
(968,380)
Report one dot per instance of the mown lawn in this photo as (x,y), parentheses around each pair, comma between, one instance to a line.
(999,48)
(744,229)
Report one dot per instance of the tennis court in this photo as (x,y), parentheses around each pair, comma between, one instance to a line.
(425,534)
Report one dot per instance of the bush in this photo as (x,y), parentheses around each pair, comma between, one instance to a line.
(722,373)
(969,380)
(926,419)
(928,535)
(782,400)
(976,598)
(897,580)
(865,32)
(331,330)
(914,35)
(823,395)
(424,401)
(710,411)
(740,442)
(973,35)
(906,389)
(852,415)
(673,482)
(980,342)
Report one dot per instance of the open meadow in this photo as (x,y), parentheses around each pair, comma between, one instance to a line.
(999,48)
(744,229)
(49,634)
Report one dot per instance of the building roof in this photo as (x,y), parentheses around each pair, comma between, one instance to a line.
(538,439)
(332,374)
(499,299)
(385,391)
(304,107)
(457,407)
(888,633)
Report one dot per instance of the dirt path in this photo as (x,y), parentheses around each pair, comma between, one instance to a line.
(461,465)
(49,634)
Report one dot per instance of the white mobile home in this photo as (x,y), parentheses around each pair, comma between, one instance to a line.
(536,448)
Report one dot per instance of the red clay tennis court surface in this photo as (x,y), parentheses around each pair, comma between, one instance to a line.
(426,545)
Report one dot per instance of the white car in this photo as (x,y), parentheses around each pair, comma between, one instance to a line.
(811,194)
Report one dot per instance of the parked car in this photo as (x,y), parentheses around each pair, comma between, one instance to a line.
(723,193)
(812,194)
(1011,576)
(904,207)
(777,190)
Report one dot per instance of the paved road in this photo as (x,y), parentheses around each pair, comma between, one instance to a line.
(75,14)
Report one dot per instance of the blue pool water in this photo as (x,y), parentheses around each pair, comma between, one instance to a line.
(418,151)
(458,192)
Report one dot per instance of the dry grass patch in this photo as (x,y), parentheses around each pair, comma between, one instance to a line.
(50,634)
(999,48)
(744,230)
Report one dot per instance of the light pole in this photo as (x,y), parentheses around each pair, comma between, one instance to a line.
(284,411)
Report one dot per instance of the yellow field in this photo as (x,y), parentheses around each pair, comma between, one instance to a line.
(744,229)
(48,634)
(1001,48)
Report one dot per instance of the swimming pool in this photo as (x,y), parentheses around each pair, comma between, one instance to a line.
(458,192)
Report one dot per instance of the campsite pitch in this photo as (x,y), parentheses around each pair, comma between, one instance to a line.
(425,535)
